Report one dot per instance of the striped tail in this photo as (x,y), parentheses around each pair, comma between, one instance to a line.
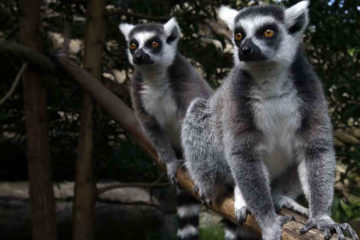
(188,209)
(234,232)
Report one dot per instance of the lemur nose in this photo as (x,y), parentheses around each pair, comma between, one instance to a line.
(139,54)
(247,49)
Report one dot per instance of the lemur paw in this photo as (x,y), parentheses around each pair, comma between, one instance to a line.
(285,219)
(171,171)
(329,227)
(207,197)
(241,214)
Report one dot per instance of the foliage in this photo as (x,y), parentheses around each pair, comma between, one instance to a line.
(332,44)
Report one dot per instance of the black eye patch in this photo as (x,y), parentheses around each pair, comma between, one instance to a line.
(274,41)
(262,29)
(133,41)
(150,42)
(241,30)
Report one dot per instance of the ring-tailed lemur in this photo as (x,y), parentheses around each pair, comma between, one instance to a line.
(268,124)
(163,85)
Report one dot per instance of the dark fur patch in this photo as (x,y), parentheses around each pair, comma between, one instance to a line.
(273,42)
(269,10)
(190,237)
(184,198)
(173,36)
(150,41)
(135,42)
(189,220)
(299,23)
(152,27)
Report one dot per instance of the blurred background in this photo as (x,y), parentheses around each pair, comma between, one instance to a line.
(129,196)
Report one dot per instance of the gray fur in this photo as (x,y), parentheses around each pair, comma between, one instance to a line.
(268,125)
(163,85)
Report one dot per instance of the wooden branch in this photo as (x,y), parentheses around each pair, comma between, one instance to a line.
(126,118)
(15,84)
(126,185)
(20,53)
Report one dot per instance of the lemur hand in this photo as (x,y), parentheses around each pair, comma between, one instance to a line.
(327,225)
(171,168)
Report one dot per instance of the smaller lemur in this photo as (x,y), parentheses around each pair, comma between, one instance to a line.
(267,128)
(162,87)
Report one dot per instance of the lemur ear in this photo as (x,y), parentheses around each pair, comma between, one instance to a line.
(125,29)
(228,16)
(297,17)
(172,30)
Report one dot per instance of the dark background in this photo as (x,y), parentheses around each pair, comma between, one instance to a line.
(332,43)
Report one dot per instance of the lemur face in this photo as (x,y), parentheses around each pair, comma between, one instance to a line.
(266,33)
(151,44)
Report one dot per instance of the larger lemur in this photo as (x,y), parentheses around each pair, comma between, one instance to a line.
(162,87)
(268,124)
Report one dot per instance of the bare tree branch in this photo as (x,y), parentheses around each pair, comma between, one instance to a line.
(15,84)
(125,185)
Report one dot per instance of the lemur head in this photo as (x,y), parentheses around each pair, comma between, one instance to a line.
(266,33)
(151,44)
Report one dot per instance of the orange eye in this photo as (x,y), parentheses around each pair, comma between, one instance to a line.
(238,36)
(269,33)
(155,44)
(133,46)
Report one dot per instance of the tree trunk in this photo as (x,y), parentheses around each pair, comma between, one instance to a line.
(43,220)
(85,188)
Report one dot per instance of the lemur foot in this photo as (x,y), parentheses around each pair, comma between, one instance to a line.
(329,227)
(241,214)
(285,219)
(241,210)
(171,171)
(206,197)
(291,204)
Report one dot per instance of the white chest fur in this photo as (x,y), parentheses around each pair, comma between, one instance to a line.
(158,100)
(278,118)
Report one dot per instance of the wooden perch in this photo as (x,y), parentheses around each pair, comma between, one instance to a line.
(126,118)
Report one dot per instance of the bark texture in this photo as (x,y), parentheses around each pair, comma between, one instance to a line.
(43,220)
(85,188)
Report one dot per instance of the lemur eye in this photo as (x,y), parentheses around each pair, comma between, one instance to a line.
(238,36)
(133,46)
(269,33)
(155,44)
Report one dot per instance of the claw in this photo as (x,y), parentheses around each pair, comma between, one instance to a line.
(309,225)
(339,232)
(327,233)
(347,228)
(329,227)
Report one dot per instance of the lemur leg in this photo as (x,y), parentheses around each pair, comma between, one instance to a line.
(319,170)
(197,146)
(250,176)
(287,188)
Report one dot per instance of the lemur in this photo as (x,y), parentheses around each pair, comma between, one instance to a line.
(162,87)
(267,128)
